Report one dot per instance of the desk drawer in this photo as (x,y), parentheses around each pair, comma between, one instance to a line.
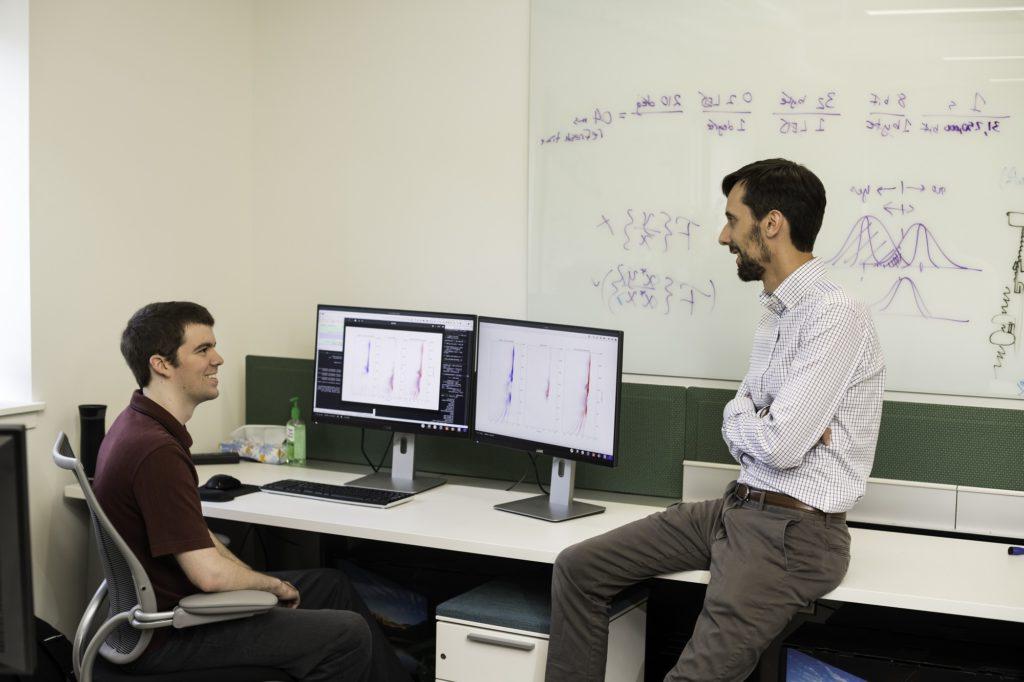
(469,654)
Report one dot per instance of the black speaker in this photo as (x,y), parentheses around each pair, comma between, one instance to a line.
(93,421)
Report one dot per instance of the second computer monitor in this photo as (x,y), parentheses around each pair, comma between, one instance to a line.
(400,370)
(554,390)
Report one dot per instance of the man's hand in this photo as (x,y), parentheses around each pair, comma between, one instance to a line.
(826,438)
(286,594)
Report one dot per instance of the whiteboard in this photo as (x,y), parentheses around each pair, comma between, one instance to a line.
(914,122)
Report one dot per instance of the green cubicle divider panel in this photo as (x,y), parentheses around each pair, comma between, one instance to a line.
(952,444)
(704,425)
(973,446)
(651,435)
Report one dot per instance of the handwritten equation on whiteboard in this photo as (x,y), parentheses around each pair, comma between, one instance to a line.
(624,287)
(652,230)
(790,112)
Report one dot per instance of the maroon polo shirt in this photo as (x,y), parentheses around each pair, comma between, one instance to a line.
(147,485)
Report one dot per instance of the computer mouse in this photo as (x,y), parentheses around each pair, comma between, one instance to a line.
(222,482)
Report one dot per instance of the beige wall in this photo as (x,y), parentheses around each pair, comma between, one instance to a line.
(390,159)
(260,157)
(141,186)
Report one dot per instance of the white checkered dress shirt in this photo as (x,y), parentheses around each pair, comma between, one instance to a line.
(816,364)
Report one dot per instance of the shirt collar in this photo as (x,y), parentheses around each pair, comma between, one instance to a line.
(152,409)
(794,287)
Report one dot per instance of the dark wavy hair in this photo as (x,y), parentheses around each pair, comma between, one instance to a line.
(779,184)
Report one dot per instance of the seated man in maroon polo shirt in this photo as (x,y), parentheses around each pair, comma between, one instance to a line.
(147,485)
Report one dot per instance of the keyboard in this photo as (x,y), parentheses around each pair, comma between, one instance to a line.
(346,494)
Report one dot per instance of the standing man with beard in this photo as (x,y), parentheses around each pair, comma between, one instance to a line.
(803,428)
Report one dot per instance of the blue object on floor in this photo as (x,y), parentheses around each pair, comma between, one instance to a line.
(395,606)
(801,667)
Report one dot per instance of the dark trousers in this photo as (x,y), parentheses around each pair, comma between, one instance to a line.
(331,636)
(766,563)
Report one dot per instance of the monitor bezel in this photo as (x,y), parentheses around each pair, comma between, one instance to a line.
(21,656)
(394,425)
(538,447)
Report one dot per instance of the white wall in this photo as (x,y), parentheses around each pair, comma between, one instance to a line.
(260,157)
(15,371)
(390,159)
(141,187)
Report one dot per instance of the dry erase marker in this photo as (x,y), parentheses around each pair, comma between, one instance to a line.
(1015,550)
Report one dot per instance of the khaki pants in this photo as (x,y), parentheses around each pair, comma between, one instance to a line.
(766,563)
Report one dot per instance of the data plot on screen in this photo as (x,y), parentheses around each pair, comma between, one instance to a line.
(392,367)
(578,367)
(542,404)
(542,384)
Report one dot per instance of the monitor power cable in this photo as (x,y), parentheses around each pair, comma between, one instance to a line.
(521,479)
(536,473)
(384,455)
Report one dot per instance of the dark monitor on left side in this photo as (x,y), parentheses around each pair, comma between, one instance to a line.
(17,632)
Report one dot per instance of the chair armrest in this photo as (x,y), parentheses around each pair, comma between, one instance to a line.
(225,603)
(203,608)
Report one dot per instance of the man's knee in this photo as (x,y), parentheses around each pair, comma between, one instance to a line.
(350,633)
(338,590)
(576,562)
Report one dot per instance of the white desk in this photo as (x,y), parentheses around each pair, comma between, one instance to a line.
(942,575)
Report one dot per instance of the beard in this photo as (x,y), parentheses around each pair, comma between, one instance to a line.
(748,269)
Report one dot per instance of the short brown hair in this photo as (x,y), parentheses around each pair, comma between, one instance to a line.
(159,329)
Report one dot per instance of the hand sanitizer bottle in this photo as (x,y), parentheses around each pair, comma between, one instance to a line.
(295,436)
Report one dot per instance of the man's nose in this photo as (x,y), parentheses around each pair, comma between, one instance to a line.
(723,236)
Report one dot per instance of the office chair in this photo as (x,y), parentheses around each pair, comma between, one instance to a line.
(132,613)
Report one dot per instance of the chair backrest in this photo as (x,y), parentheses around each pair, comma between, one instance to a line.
(127,583)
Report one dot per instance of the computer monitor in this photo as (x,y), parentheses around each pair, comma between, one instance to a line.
(554,390)
(406,371)
(17,631)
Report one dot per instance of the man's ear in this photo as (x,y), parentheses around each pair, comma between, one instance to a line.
(160,365)
(773,224)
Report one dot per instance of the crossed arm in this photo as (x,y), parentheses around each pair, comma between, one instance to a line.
(781,433)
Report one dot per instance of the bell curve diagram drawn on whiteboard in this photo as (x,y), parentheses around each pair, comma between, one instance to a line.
(914,122)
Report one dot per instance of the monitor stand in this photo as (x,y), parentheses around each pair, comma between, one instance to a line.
(402,477)
(559,505)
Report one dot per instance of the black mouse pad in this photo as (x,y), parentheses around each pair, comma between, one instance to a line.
(211,495)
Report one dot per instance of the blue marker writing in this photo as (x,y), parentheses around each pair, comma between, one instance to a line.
(1015,550)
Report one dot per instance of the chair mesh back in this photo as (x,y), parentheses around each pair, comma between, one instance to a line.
(121,595)
(127,582)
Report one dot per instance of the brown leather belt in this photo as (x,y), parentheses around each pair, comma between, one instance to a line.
(744,493)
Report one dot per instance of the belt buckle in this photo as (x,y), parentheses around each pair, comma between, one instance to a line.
(746,492)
